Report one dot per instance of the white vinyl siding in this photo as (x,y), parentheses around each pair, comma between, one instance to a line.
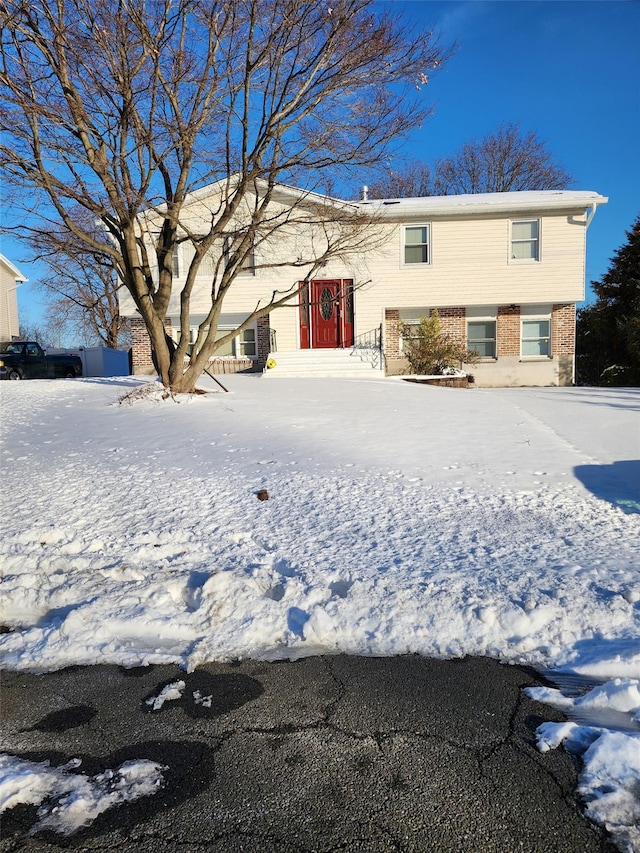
(472,269)
(525,240)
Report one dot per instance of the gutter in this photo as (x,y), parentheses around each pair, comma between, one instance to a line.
(398,208)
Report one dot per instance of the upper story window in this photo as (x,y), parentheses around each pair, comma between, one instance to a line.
(525,240)
(247,265)
(175,261)
(417,244)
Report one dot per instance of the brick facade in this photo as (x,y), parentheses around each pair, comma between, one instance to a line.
(140,345)
(142,363)
(263,340)
(453,322)
(508,331)
(563,329)
(392,333)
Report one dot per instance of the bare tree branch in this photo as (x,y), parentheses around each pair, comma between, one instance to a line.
(505,161)
(124,110)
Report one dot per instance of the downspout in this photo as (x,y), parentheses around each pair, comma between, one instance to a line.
(13,290)
(589,213)
(589,219)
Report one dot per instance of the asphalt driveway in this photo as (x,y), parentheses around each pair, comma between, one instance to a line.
(323,754)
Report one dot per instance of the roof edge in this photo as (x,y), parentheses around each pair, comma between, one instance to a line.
(487,203)
(13,269)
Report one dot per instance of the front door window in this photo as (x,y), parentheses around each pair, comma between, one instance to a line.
(327,302)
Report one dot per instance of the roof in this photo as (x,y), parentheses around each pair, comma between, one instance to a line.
(479,203)
(13,269)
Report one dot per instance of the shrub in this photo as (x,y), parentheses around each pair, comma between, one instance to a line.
(432,352)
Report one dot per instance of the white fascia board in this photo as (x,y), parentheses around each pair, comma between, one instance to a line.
(281,192)
(486,203)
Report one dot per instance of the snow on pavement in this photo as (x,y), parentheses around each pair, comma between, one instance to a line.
(67,800)
(401,519)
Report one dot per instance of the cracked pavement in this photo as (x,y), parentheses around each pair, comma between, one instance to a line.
(323,754)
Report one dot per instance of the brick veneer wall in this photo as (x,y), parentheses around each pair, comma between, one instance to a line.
(508,330)
(263,335)
(563,329)
(392,333)
(141,345)
(453,322)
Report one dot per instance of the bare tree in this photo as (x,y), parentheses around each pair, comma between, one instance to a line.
(124,109)
(505,161)
(82,286)
(413,180)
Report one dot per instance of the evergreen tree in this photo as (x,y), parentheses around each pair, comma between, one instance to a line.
(608,332)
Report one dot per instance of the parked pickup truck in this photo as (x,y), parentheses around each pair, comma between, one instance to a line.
(27,360)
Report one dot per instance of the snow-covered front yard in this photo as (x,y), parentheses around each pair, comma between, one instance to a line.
(401,519)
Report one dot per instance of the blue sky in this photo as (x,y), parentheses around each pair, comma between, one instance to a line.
(567,69)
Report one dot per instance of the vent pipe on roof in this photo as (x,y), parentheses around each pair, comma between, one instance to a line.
(365,193)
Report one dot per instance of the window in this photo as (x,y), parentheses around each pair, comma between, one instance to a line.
(536,338)
(243,345)
(175,261)
(247,341)
(412,328)
(227,349)
(525,240)
(207,264)
(247,266)
(481,337)
(416,244)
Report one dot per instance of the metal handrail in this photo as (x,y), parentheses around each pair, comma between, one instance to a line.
(369,340)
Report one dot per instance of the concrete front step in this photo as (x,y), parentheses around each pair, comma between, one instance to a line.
(355,362)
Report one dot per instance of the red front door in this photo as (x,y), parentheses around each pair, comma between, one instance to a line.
(326,314)
(325,297)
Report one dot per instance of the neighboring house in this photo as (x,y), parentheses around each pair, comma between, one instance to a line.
(503,270)
(10,280)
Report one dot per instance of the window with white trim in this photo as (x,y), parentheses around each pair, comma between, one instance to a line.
(243,345)
(481,337)
(525,240)
(536,338)
(417,249)
(248,265)
(175,261)
(247,343)
(412,328)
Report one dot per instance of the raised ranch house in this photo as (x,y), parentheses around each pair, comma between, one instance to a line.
(10,280)
(503,270)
